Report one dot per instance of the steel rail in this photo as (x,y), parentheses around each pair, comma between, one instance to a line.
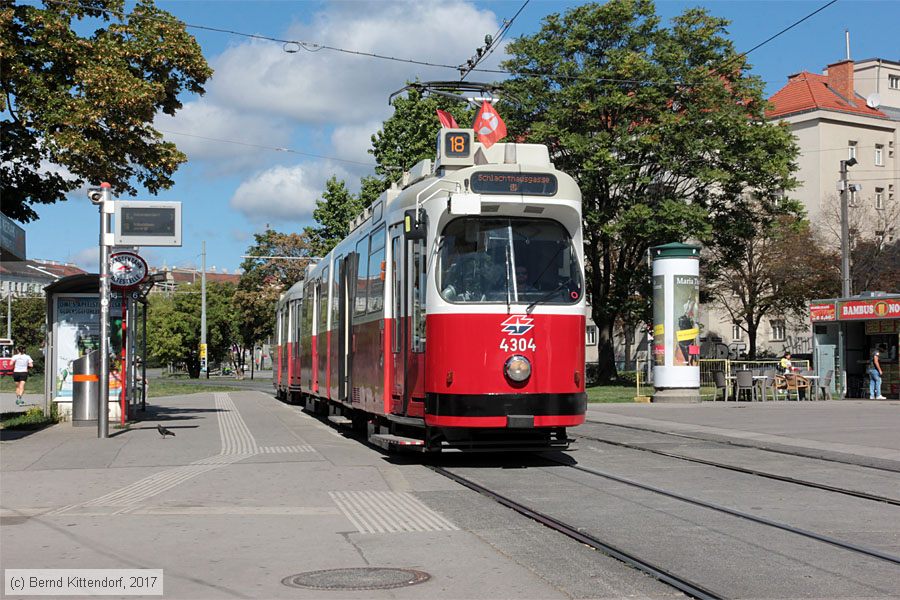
(736,513)
(748,471)
(740,445)
(681,584)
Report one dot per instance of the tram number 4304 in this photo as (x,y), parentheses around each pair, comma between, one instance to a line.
(517,344)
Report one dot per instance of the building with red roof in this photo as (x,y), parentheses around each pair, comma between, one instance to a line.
(852,110)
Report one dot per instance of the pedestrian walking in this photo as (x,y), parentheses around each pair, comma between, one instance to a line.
(21,363)
(875,373)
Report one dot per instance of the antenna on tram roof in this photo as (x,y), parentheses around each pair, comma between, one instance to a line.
(455,90)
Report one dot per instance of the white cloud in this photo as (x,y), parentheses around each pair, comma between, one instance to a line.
(327,86)
(206,131)
(352,142)
(87,258)
(284,193)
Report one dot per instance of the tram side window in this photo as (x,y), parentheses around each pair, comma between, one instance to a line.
(336,293)
(376,271)
(323,302)
(359,306)
(308,304)
(418,296)
(396,290)
(296,308)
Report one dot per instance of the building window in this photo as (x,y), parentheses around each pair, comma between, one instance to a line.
(879,155)
(879,198)
(894,82)
(778,333)
(736,332)
(851,149)
(590,335)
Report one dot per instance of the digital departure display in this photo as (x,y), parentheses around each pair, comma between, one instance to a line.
(149,221)
(530,184)
(457,145)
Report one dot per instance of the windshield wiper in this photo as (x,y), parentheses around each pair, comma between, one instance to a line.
(561,286)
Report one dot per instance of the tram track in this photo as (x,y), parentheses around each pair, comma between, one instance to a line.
(682,584)
(742,445)
(735,513)
(748,471)
(676,577)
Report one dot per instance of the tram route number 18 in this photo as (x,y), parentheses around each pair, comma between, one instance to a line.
(517,344)
(457,145)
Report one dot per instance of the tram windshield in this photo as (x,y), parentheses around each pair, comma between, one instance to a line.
(489,260)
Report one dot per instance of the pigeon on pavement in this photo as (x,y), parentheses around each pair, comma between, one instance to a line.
(163,431)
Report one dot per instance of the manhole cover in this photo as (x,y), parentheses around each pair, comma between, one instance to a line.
(368,578)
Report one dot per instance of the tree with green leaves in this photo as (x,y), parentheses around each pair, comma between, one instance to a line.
(766,272)
(264,280)
(79,108)
(173,325)
(29,317)
(661,126)
(408,135)
(333,213)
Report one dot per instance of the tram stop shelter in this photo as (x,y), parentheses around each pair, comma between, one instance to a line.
(73,331)
(847,330)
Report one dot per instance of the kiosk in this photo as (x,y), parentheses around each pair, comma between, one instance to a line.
(847,330)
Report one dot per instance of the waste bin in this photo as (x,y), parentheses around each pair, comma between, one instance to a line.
(85,388)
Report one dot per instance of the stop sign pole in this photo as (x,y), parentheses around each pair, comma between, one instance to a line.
(101,197)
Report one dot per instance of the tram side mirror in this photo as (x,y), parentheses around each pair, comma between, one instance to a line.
(413,228)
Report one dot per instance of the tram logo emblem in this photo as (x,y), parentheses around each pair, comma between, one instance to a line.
(517,325)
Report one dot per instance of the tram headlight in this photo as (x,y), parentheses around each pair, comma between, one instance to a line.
(518,368)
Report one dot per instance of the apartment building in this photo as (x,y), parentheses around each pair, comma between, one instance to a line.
(851,110)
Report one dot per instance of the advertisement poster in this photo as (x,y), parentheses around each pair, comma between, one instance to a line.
(659,320)
(78,332)
(686,318)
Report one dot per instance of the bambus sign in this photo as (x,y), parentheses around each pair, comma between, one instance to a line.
(870,309)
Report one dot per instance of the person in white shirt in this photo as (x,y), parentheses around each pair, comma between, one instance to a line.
(21,363)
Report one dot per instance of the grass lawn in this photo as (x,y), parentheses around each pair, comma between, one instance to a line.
(612,393)
(158,387)
(176,387)
(34,385)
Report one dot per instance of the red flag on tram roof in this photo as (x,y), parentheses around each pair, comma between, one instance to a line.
(489,127)
(446,119)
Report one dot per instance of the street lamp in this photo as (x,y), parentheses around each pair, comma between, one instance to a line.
(845,228)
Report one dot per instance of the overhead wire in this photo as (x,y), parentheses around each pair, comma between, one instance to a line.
(290,45)
(495,40)
(264,147)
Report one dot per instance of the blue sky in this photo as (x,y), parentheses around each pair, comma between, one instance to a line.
(328,104)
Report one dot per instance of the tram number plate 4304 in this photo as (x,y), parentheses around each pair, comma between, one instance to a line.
(517,344)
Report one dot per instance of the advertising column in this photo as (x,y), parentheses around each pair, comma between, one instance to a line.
(676,331)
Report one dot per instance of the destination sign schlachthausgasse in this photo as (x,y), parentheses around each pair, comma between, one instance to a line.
(529,184)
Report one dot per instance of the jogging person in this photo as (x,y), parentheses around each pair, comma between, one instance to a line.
(21,363)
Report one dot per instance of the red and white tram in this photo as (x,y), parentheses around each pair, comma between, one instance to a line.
(452,315)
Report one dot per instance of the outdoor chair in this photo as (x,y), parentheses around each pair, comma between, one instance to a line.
(769,383)
(825,384)
(797,385)
(721,384)
(744,383)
